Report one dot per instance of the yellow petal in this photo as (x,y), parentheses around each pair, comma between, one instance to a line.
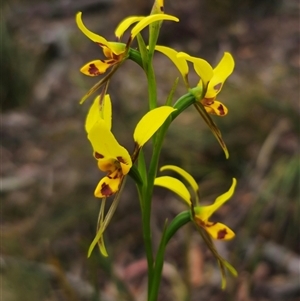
(97,67)
(202,67)
(148,20)
(94,37)
(123,26)
(207,211)
(216,108)
(179,62)
(105,144)
(158,7)
(107,187)
(174,185)
(117,48)
(106,111)
(218,230)
(221,72)
(150,123)
(214,87)
(184,174)
(125,168)
(99,110)
(225,67)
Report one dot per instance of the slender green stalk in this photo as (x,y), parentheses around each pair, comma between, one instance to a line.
(179,221)
(151,86)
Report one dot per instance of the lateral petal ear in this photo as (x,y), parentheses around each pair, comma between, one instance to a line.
(123,26)
(179,62)
(150,123)
(202,67)
(184,174)
(174,185)
(225,67)
(99,111)
(148,20)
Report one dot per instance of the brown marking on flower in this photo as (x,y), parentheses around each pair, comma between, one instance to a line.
(116,176)
(110,62)
(98,156)
(93,70)
(208,101)
(221,110)
(120,159)
(115,56)
(106,190)
(161,9)
(129,42)
(222,233)
(209,224)
(218,87)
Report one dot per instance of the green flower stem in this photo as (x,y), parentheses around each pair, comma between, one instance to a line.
(179,221)
(135,56)
(151,86)
(146,194)
(182,103)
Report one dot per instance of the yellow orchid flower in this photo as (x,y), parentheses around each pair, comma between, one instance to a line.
(116,52)
(211,79)
(201,213)
(113,158)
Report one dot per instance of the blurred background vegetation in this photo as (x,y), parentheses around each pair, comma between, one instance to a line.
(48,175)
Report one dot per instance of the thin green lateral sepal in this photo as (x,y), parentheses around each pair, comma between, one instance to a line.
(213,127)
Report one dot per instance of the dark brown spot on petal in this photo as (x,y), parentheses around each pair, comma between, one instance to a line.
(106,190)
(218,87)
(222,234)
(221,110)
(200,222)
(120,159)
(98,156)
(208,101)
(115,56)
(161,8)
(93,70)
